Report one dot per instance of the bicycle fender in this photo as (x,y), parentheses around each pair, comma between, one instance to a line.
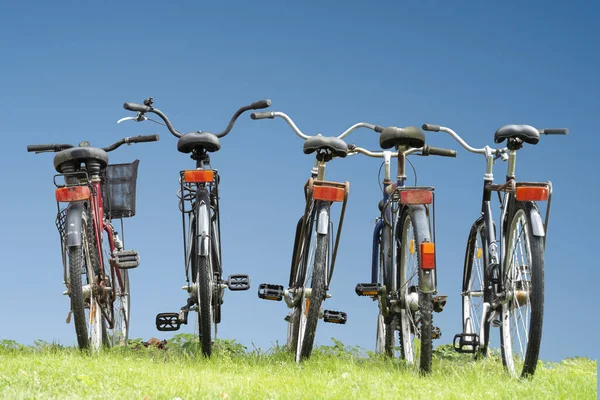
(323,222)
(204,230)
(421,224)
(74,223)
(537,225)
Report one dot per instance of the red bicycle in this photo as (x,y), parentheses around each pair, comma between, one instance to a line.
(95,193)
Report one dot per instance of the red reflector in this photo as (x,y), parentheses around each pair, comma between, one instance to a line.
(328,193)
(427,255)
(72,193)
(199,175)
(416,196)
(532,193)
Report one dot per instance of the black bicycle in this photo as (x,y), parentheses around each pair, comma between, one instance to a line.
(95,193)
(503,282)
(199,202)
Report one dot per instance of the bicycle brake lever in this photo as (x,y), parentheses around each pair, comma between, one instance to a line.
(138,118)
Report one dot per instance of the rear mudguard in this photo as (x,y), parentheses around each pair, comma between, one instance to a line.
(418,213)
(74,223)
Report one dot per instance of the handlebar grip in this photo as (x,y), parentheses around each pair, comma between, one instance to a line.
(437,151)
(48,147)
(554,131)
(431,127)
(146,138)
(137,107)
(257,105)
(378,128)
(262,115)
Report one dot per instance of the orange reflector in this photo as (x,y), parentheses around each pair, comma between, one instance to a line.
(416,196)
(72,193)
(370,293)
(329,193)
(199,175)
(427,255)
(532,193)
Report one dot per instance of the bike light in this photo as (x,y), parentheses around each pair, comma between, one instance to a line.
(416,196)
(72,193)
(328,193)
(532,193)
(427,255)
(199,175)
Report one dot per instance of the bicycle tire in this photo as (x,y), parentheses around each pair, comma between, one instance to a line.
(311,307)
(386,327)
(204,277)
(524,286)
(83,260)
(474,287)
(415,324)
(122,310)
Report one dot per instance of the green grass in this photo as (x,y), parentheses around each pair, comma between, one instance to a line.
(337,372)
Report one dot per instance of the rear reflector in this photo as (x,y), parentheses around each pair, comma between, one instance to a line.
(416,196)
(199,175)
(72,193)
(532,193)
(427,255)
(328,193)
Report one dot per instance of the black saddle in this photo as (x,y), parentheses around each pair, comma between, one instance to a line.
(79,155)
(393,136)
(526,133)
(334,145)
(208,141)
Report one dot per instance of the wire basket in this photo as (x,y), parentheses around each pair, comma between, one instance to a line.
(118,190)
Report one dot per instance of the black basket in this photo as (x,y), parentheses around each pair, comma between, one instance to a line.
(118,190)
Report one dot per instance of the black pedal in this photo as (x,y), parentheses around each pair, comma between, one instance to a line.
(439,302)
(126,259)
(466,343)
(335,317)
(368,289)
(238,282)
(166,322)
(268,291)
(436,332)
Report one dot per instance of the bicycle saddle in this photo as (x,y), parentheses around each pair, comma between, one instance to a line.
(393,136)
(526,133)
(208,141)
(80,154)
(335,145)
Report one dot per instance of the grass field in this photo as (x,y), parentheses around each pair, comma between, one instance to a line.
(337,372)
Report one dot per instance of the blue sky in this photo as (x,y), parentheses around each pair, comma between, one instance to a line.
(67,67)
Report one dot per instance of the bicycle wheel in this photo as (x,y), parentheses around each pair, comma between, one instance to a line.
(204,273)
(122,308)
(473,287)
(83,268)
(385,342)
(416,306)
(310,305)
(523,279)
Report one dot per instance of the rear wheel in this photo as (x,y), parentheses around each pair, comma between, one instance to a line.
(523,278)
(386,326)
(83,268)
(473,289)
(416,306)
(204,274)
(122,307)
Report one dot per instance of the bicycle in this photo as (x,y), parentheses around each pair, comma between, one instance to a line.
(403,269)
(313,261)
(199,201)
(95,193)
(504,287)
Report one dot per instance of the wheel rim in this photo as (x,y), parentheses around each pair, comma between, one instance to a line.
(473,295)
(305,299)
(408,288)
(121,311)
(516,311)
(93,311)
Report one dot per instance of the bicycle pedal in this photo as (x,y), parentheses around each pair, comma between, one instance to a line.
(268,291)
(166,322)
(436,332)
(467,343)
(368,289)
(335,317)
(126,259)
(439,302)
(238,282)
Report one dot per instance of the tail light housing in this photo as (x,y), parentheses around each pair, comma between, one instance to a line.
(328,193)
(416,196)
(72,193)
(532,193)
(199,175)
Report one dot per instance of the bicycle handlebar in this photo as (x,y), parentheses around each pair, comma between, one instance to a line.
(43,148)
(297,131)
(437,151)
(554,131)
(142,109)
(425,151)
